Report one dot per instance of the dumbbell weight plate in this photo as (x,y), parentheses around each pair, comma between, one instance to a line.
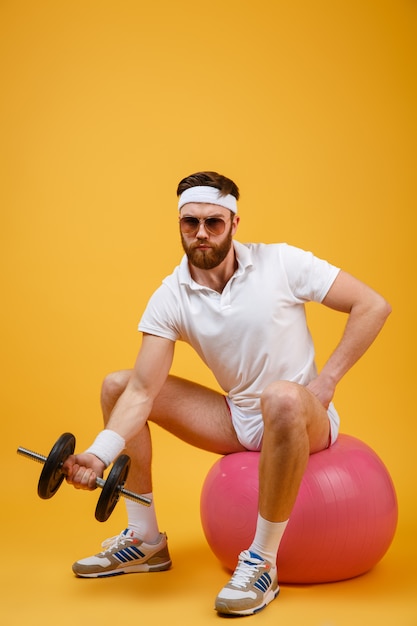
(110,493)
(52,475)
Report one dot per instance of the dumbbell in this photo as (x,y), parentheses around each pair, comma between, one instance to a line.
(52,476)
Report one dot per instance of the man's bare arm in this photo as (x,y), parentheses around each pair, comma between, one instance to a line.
(367,312)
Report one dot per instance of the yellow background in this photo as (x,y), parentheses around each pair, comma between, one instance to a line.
(311,108)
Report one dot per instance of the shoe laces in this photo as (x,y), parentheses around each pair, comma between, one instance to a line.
(247,567)
(113,542)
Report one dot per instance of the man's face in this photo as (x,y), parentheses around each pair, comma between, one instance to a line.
(204,249)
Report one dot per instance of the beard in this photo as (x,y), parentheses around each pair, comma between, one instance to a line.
(210,257)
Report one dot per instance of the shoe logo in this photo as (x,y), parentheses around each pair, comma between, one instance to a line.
(264,582)
(129,554)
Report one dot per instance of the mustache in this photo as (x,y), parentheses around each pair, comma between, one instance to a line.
(200,244)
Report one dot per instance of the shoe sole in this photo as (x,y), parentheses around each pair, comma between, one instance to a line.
(133,569)
(221,606)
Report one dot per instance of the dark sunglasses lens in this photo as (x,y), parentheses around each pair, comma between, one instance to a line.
(215,225)
(189,224)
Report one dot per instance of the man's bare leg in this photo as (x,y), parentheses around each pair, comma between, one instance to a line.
(296,425)
(191,412)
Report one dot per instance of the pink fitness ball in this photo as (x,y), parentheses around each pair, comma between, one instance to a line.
(342,524)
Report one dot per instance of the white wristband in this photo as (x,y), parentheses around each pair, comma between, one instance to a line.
(107,446)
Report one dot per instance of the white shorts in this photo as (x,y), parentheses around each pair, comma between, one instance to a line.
(249,426)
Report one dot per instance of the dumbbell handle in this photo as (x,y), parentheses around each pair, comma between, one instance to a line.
(100,482)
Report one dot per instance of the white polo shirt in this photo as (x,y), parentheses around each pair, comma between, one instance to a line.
(254,332)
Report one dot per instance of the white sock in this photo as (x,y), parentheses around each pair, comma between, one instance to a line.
(267,538)
(142,519)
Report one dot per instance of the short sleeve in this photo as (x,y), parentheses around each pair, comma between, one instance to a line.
(160,317)
(309,277)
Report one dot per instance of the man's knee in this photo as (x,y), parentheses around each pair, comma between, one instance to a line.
(282,406)
(113,386)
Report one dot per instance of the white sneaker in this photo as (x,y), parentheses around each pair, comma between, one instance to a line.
(125,554)
(253,585)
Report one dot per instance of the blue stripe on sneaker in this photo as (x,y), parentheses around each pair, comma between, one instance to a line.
(135,552)
(259,585)
(129,557)
(263,582)
(129,554)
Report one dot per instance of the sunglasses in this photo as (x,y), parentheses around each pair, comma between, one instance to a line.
(213,225)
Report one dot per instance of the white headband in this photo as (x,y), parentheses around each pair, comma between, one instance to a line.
(208,195)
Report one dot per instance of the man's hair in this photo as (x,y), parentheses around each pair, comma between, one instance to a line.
(209,179)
